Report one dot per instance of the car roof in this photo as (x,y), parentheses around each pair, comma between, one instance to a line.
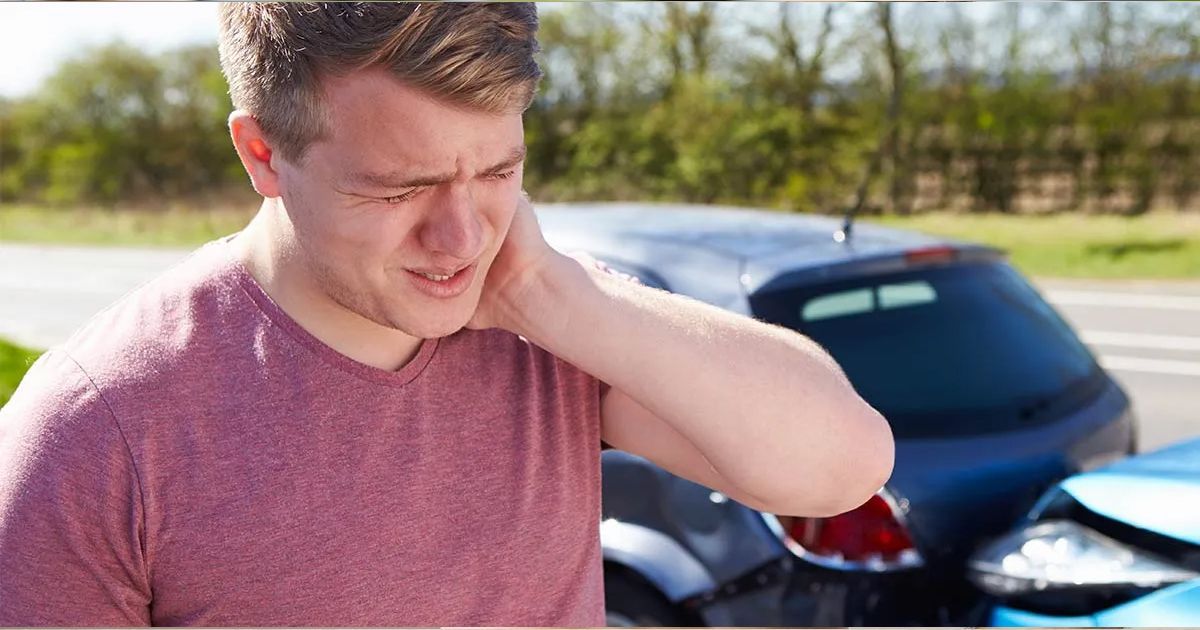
(763,245)
(748,234)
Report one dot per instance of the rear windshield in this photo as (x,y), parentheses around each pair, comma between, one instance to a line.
(945,351)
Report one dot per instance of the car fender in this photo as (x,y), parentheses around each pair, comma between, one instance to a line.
(656,557)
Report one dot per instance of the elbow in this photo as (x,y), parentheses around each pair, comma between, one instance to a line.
(876,454)
(868,463)
(858,462)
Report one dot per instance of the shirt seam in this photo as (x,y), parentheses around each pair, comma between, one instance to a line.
(137,476)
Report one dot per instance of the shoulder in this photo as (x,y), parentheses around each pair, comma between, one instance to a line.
(58,425)
(186,316)
(55,384)
(70,504)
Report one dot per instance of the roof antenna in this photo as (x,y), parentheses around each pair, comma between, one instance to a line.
(844,234)
(847,230)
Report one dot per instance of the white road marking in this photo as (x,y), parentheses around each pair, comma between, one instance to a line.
(1124,300)
(1152,366)
(1140,340)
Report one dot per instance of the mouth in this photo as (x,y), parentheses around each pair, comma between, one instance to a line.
(442,283)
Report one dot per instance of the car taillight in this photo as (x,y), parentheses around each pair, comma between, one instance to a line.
(868,537)
(939,253)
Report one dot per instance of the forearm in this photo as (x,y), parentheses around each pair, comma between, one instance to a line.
(766,406)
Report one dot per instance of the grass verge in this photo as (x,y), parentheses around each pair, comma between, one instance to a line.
(171,227)
(14,362)
(1154,245)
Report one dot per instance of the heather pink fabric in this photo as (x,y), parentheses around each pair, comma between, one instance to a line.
(192,456)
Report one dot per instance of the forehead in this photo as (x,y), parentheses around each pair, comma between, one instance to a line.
(374,118)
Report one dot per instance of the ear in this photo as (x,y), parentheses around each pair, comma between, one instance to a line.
(256,153)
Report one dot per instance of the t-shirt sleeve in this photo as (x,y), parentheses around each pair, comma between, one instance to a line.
(71,522)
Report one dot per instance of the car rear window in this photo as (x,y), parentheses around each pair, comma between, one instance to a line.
(945,351)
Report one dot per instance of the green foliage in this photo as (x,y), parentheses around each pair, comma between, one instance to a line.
(750,115)
(116,123)
(799,107)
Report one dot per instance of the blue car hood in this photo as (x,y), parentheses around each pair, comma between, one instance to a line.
(1158,492)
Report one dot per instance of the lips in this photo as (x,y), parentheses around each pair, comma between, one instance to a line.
(439,274)
(442,283)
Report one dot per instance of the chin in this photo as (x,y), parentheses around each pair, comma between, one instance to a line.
(437,331)
(438,325)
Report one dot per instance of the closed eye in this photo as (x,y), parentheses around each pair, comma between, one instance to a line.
(401,198)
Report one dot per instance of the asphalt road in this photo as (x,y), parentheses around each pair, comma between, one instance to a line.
(46,292)
(1147,334)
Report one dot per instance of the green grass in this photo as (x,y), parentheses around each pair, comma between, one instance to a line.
(14,362)
(170,227)
(1155,245)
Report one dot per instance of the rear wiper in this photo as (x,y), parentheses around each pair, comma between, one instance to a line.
(1037,407)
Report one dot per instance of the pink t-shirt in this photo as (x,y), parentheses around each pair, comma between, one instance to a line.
(192,456)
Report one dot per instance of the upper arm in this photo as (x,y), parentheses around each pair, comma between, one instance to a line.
(627,425)
(70,512)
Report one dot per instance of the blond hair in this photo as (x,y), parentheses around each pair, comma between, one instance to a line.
(274,54)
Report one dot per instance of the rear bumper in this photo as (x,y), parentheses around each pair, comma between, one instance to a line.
(920,597)
(811,596)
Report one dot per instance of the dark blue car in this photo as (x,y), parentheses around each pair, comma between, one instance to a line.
(1119,546)
(990,395)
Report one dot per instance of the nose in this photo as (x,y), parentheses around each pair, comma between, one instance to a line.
(452,228)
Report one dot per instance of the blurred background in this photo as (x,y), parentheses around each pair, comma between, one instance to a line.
(1067,134)
(985,108)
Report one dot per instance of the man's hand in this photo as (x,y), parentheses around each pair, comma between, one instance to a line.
(522,257)
(523,260)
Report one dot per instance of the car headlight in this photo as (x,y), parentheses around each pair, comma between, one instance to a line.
(1056,555)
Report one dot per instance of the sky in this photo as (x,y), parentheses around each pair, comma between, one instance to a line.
(36,36)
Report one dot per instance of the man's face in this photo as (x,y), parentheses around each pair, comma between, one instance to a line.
(402,187)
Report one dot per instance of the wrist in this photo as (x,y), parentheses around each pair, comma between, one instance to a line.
(541,310)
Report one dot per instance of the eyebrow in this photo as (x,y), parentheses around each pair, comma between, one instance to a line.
(405,179)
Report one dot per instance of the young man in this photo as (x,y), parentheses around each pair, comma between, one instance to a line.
(381,403)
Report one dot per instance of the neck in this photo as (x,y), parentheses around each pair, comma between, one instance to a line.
(268,249)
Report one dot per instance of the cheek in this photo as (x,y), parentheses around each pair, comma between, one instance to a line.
(347,244)
(502,204)
(356,242)
(314,217)
(374,234)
